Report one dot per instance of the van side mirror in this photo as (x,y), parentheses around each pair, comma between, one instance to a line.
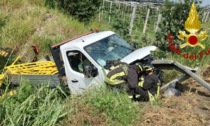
(90,71)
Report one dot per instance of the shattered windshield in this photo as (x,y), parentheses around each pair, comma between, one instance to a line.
(110,48)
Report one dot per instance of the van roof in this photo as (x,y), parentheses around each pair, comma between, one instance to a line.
(88,39)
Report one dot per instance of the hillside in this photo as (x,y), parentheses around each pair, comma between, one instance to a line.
(24,23)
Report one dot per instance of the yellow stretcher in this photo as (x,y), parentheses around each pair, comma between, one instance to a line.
(40,68)
(36,68)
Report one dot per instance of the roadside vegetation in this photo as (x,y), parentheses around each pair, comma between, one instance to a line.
(32,105)
(24,23)
(27,22)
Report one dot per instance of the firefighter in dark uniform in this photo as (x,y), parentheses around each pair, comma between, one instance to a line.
(149,86)
(124,76)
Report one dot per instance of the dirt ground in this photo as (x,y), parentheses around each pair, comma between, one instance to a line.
(192,108)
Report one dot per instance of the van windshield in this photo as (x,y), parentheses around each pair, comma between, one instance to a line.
(109,48)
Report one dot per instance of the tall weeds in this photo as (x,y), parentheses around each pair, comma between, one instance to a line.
(32,106)
(117,106)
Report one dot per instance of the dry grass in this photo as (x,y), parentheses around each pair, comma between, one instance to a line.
(84,114)
(189,109)
(175,111)
(185,110)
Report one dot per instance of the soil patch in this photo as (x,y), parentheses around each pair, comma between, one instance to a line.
(192,108)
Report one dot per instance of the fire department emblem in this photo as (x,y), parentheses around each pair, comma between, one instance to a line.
(192,25)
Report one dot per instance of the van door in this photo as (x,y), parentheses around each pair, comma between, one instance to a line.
(74,69)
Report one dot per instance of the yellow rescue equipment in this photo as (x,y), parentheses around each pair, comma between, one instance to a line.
(32,68)
(35,68)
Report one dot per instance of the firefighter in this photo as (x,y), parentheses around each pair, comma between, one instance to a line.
(149,86)
(124,76)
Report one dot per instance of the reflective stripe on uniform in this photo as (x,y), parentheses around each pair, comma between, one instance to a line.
(158,89)
(130,96)
(113,82)
(140,84)
(138,95)
(116,75)
(116,67)
(125,68)
(140,68)
(151,97)
(154,98)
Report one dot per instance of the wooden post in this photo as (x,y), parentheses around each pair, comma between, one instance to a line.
(139,16)
(99,15)
(158,12)
(119,12)
(207,16)
(124,13)
(119,7)
(130,16)
(158,22)
(132,19)
(102,12)
(110,10)
(146,20)
(204,15)
(139,19)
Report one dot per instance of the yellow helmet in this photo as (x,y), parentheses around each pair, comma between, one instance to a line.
(148,68)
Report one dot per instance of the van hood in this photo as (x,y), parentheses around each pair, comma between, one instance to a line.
(138,54)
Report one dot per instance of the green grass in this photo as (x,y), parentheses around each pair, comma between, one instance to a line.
(29,22)
(32,106)
(117,106)
(101,107)
(41,105)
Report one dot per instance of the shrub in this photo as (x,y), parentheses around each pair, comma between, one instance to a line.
(83,10)
(122,28)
